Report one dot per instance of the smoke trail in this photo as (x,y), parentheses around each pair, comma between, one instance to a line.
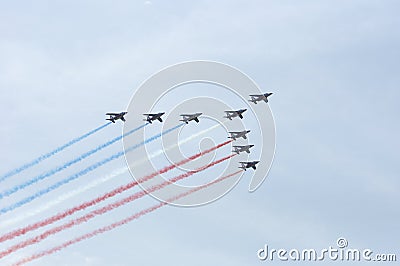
(105,209)
(99,181)
(162,151)
(36,179)
(62,198)
(82,172)
(114,192)
(117,224)
(49,154)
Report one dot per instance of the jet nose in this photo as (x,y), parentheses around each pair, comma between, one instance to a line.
(252,145)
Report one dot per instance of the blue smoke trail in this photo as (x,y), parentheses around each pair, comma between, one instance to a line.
(36,179)
(49,154)
(83,172)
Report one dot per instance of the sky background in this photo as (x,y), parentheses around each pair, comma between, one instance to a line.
(333,67)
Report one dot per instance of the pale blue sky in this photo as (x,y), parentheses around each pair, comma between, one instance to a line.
(333,67)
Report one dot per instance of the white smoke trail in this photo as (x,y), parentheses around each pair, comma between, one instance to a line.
(97,182)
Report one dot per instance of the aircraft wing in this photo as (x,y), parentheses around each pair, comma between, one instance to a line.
(112,114)
(256,97)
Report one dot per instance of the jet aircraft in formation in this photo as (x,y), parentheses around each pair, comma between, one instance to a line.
(239,134)
(186,118)
(115,116)
(245,165)
(153,117)
(244,148)
(260,97)
(232,114)
(189,117)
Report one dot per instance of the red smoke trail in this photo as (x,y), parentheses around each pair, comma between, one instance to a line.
(103,210)
(119,223)
(97,200)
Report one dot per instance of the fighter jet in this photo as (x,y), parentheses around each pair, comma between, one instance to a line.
(115,116)
(260,97)
(245,165)
(189,117)
(152,117)
(232,114)
(240,134)
(239,149)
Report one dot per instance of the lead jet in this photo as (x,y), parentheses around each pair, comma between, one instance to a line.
(232,114)
(239,149)
(152,117)
(245,165)
(240,134)
(115,116)
(189,117)
(260,97)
